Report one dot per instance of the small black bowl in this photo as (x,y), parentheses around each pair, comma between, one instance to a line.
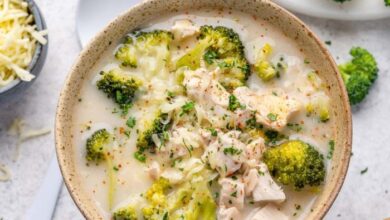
(15,92)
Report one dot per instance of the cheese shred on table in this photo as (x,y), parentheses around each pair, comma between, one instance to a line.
(18,40)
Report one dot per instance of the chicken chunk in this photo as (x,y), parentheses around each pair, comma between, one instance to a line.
(226,154)
(263,188)
(212,99)
(154,170)
(254,151)
(268,212)
(183,29)
(231,213)
(181,141)
(232,193)
(271,110)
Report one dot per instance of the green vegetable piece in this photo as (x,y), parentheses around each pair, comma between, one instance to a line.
(295,163)
(121,88)
(359,74)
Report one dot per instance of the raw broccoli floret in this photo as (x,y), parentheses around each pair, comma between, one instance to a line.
(98,148)
(295,163)
(126,213)
(219,47)
(119,87)
(387,3)
(359,74)
(146,50)
(153,126)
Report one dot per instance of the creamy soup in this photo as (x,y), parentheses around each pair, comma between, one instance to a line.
(202,128)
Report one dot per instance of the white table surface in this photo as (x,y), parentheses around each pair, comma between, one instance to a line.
(362,197)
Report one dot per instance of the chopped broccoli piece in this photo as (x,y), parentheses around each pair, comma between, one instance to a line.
(191,201)
(219,47)
(98,150)
(319,106)
(264,69)
(155,126)
(119,87)
(157,199)
(127,53)
(153,45)
(295,163)
(126,213)
(359,74)
(97,146)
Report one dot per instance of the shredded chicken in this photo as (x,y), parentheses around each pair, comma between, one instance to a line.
(268,212)
(226,154)
(231,213)
(154,170)
(183,29)
(259,183)
(212,98)
(272,110)
(232,193)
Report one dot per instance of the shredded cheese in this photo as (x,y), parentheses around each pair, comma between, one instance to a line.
(5,174)
(18,40)
(17,128)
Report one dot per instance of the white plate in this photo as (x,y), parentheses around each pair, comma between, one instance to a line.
(353,10)
(93,15)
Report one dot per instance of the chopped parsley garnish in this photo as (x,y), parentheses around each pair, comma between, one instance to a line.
(186,108)
(331,149)
(213,132)
(131,122)
(234,194)
(234,103)
(295,127)
(364,171)
(140,156)
(232,151)
(328,42)
(272,116)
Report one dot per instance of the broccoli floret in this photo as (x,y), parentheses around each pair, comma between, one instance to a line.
(127,53)
(119,87)
(98,150)
(295,163)
(151,127)
(359,74)
(157,199)
(264,69)
(126,213)
(191,201)
(387,3)
(153,45)
(97,146)
(219,47)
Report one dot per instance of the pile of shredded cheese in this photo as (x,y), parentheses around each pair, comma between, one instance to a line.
(18,40)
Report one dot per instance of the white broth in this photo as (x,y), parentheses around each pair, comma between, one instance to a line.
(95,111)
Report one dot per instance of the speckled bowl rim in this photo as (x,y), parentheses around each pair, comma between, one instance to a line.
(61,116)
(39,55)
